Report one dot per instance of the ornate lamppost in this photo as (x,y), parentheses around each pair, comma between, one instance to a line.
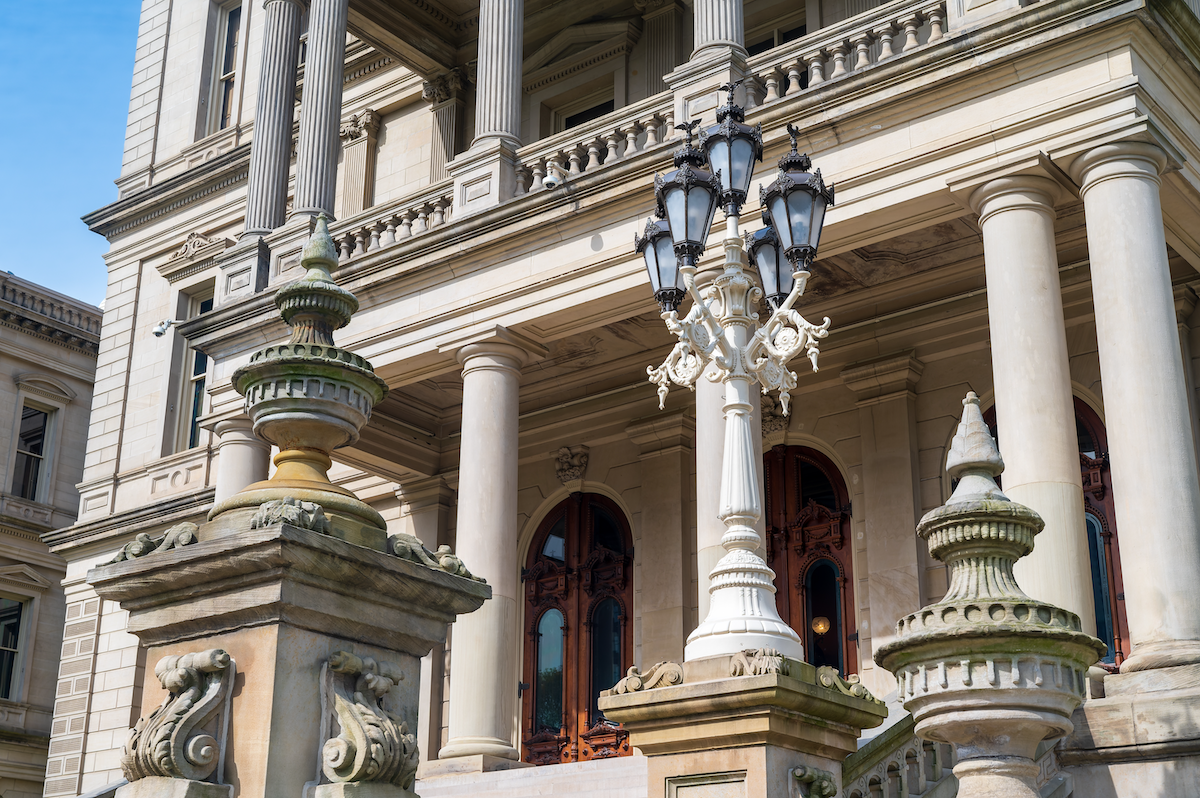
(722,329)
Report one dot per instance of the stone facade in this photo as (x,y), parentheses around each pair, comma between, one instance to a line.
(978,149)
(48,351)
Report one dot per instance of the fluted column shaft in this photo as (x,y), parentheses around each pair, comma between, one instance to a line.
(1146,410)
(719,27)
(243,458)
(498,80)
(483,656)
(321,108)
(271,150)
(1035,410)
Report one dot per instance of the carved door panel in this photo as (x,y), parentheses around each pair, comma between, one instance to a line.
(579,635)
(808,546)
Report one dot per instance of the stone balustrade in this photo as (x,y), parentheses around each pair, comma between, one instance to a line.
(385,224)
(891,31)
(615,136)
(898,762)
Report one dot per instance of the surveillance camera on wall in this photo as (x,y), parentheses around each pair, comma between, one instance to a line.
(552,180)
(161,328)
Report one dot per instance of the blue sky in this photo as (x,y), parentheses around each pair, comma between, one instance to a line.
(65,70)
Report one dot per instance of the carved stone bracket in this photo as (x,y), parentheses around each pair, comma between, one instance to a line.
(828,676)
(571,463)
(661,674)
(756,662)
(184,738)
(364,742)
(813,783)
(409,547)
(306,515)
(179,535)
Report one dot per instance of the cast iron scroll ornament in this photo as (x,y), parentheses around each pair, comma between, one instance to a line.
(181,739)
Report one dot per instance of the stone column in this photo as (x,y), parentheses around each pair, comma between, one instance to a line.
(271,149)
(483,670)
(710,448)
(1185,304)
(665,443)
(719,28)
(425,511)
(498,81)
(358,162)
(444,95)
(243,458)
(887,417)
(321,108)
(1035,413)
(1149,434)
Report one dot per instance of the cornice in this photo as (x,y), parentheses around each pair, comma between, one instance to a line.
(171,194)
(48,315)
(121,525)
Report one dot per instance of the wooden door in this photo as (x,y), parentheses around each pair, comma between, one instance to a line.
(578,633)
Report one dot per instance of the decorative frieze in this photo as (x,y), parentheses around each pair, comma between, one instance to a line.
(306,515)
(756,662)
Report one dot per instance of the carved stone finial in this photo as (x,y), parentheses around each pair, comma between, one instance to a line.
(571,463)
(179,535)
(369,743)
(974,459)
(184,737)
(661,674)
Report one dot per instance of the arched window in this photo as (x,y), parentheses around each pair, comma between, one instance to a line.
(808,546)
(1100,524)
(578,597)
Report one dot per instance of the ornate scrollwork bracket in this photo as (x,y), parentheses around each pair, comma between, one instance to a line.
(661,674)
(184,738)
(809,782)
(409,547)
(364,742)
(828,676)
(142,545)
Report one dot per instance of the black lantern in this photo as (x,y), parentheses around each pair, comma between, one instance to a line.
(658,249)
(796,203)
(687,199)
(732,148)
(766,255)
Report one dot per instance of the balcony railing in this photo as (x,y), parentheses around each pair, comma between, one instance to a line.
(386,224)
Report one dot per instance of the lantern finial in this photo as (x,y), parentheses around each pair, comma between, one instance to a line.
(731,109)
(689,154)
(794,161)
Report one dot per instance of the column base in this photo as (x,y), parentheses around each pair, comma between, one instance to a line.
(459,764)
(1167,654)
(997,777)
(163,787)
(478,748)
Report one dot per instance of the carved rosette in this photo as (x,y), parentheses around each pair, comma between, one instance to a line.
(369,743)
(184,737)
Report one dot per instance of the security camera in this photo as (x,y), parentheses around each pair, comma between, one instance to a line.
(552,180)
(161,328)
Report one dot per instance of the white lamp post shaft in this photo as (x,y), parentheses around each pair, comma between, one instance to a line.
(721,328)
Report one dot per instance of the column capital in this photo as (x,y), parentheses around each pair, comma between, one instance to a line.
(1036,177)
(496,343)
(445,87)
(1138,159)
(1027,191)
(360,126)
(881,379)
(666,433)
(228,429)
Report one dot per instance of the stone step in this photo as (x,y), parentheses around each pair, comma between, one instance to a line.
(612,778)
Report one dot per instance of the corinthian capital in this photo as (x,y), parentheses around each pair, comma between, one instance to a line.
(444,87)
(364,123)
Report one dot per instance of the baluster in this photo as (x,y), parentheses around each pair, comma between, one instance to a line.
(406,223)
(839,52)
(612,142)
(574,157)
(439,214)
(360,237)
(448,208)
(668,119)
(522,173)
(771,80)
(373,244)
(347,244)
(936,16)
(885,33)
(422,221)
(816,68)
(539,172)
(631,137)
(911,24)
(389,232)
(795,70)
(651,126)
(862,49)
(752,86)
(593,152)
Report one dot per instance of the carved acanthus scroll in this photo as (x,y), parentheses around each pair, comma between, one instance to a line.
(828,676)
(662,674)
(306,515)
(757,662)
(184,737)
(409,547)
(179,535)
(371,744)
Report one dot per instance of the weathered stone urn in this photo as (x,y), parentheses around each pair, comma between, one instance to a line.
(987,668)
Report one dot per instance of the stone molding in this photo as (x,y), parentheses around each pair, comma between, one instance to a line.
(24,577)
(46,314)
(661,434)
(45,386)
(883,379)
(613,39)
(497,341)
(197,253)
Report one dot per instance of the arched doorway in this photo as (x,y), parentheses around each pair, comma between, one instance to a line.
(1100,523)
(578,630)
(808,545)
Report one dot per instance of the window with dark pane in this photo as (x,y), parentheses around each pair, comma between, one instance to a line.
(815,486)
(607,533)
(555,545)
(31,455)
(821,593)
(10,643)
(228,78)
(197,379)
(606,650)
(548,691)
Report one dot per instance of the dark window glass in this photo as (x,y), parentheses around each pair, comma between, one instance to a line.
(233,24)
(199,377)
(1100,588)
(594,112)
(548,698)
(761,46)
(607,532)
(792,34)
(822,595)
(31,442)
(816,486)
(606,651)
(1087,444)
(555,545)
(10,638)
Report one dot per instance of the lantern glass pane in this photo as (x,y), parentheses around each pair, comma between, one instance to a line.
(699,202)
(741,160)
(767,261)
(675,199)
(786,281)
(668,266)
(777,207)
(718,159)
(652,258)
(818,220)
(799,216)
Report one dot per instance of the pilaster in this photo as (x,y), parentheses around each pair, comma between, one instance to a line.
(661,24)
(358,161)
(444,95)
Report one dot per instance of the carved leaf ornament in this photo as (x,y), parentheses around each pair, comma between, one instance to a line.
(662,674)
(179,535)
(179,739)
(372,744)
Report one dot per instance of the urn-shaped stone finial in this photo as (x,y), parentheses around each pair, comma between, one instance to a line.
(987,668)
(309,397)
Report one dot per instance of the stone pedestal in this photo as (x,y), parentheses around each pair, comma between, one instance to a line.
(778,728)
(244,269)
(282,601)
